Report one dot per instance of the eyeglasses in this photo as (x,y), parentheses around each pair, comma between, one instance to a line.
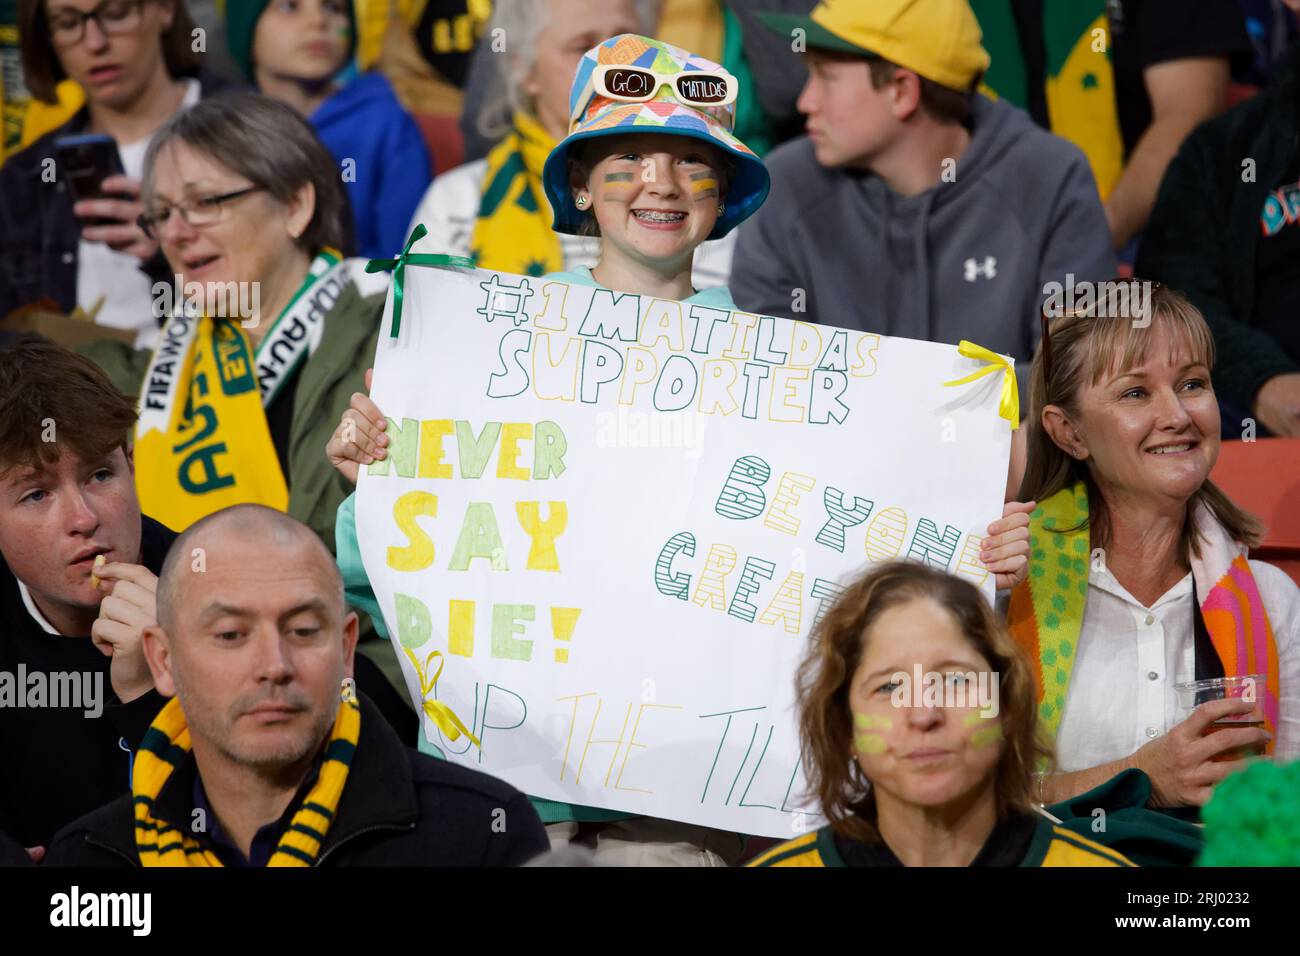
(636,84)
(113,17)
(204,211)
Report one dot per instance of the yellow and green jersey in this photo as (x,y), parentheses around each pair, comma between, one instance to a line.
(1049,845)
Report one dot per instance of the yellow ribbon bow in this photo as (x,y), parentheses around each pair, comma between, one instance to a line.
(1009,403)
(438,712)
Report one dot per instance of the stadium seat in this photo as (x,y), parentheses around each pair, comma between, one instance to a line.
(1264,478)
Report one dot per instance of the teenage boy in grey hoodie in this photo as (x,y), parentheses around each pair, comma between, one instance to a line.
(915,207)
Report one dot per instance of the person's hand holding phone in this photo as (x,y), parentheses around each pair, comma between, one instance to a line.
(122,234)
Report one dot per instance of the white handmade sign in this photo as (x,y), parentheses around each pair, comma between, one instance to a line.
(608,523)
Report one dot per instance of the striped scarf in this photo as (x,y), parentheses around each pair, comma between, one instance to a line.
(168,742)
(513,230)
(1046,613)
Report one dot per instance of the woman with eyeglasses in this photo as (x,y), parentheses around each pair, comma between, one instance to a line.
(267,334)
(1138,577)
(135,61)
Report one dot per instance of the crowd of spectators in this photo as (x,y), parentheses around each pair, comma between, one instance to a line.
(927,169)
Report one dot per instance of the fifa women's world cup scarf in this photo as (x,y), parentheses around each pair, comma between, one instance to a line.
(202,442)
(1046,614)
(513,231)
(166,745)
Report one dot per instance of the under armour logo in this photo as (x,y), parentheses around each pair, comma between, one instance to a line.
(988,270)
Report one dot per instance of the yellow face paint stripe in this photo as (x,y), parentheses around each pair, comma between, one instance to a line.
(870,743)
(989,733)
(986,736)
(872,722)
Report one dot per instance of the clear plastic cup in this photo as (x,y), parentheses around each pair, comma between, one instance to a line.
(1248,687)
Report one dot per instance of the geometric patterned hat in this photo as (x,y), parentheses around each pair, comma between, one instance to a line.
(602,116)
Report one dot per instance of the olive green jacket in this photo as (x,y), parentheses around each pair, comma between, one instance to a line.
(325,385)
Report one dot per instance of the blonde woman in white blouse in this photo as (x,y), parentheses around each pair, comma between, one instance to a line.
(1138,577)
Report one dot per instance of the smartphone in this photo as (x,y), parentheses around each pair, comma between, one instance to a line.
(86,161)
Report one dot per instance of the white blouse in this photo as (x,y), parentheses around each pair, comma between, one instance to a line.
(1121,692)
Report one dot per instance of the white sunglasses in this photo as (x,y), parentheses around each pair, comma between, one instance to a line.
(636,84)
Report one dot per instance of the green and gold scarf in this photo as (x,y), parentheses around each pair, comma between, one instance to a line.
(166,745)
(513,232)
(202,442)
(1046,612)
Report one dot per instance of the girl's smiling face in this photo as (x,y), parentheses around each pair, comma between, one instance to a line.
(655,197)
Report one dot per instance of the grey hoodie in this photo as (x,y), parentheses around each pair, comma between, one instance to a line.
(966,259)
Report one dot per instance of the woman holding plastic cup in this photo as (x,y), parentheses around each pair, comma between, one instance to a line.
(1138,576)
(1246,688)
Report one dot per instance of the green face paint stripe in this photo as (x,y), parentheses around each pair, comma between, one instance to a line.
(703,174)
(619,177)
(971,720)
(986,736)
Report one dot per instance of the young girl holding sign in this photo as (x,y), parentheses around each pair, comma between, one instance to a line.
(652,167)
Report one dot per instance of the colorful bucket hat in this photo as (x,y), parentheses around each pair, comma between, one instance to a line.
(596,115)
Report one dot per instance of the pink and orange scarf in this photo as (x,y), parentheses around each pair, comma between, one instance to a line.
(1046,613)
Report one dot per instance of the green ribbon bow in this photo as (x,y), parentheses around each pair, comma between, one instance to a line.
(407,257)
